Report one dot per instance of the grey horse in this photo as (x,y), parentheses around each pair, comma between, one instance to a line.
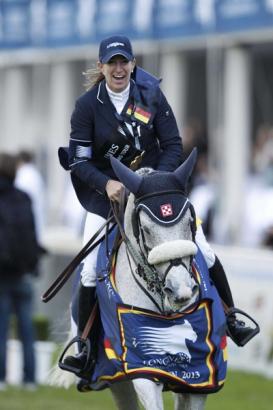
(163,238)
(165,243)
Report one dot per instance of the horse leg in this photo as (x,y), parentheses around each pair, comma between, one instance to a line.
(188,401)
(124,393)
(149,393)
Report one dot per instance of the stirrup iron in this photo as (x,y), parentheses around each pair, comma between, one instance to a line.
(86,371)
(255,330)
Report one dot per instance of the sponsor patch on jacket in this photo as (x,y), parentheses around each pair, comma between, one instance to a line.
(139,112)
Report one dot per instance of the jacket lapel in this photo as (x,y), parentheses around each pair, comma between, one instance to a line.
(105,107)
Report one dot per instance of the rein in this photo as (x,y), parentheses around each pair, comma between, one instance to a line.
(70,268)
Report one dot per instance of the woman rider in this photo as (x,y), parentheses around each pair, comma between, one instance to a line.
(124,113)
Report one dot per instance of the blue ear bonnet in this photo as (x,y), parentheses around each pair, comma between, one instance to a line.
(165,207)
(158,181)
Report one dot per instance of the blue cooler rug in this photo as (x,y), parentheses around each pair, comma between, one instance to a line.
(185,351)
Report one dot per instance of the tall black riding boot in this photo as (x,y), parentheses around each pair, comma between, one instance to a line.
(236,329)
(87,299)
(220,281)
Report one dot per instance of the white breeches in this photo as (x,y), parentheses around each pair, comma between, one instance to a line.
(94,222)
(205,247)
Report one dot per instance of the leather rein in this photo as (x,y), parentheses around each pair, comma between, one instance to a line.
(71,267)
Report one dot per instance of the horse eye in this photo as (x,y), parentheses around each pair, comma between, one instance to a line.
(146,230)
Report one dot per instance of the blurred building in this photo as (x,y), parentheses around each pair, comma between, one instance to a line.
(215,58)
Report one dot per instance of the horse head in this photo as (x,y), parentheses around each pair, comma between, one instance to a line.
(160,222)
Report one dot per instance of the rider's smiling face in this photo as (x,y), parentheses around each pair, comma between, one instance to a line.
(117,72)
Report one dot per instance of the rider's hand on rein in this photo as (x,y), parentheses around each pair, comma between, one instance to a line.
(114,189)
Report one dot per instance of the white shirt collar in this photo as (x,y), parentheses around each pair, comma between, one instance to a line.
(119,99)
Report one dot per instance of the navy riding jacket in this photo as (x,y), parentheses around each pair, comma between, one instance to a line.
(95,120)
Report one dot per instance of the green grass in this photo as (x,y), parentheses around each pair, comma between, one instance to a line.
(241,392)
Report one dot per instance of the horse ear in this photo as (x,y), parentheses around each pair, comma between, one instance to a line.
(183,172)
(129,178)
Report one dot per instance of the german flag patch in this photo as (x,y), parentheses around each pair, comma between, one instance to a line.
(139,112)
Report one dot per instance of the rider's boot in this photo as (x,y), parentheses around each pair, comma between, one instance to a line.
(87,299)
(236,329)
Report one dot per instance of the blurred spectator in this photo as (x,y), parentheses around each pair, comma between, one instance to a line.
(202,190)
(258,214)
(19,253)
(203,198)
(194,135)
(258,211)
(263,148)
(29,180)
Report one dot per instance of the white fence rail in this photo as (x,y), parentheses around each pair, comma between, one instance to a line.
(250,273)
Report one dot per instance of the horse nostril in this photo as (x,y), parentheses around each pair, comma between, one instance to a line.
(168,291)
(195,289)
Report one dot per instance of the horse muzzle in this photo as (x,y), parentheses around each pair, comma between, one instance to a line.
(180,291)
(178,285)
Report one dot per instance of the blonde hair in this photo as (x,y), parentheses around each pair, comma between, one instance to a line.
(93,76)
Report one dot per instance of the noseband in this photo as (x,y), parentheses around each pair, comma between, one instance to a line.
(176,262)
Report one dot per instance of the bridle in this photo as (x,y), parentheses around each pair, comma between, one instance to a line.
(144,270)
